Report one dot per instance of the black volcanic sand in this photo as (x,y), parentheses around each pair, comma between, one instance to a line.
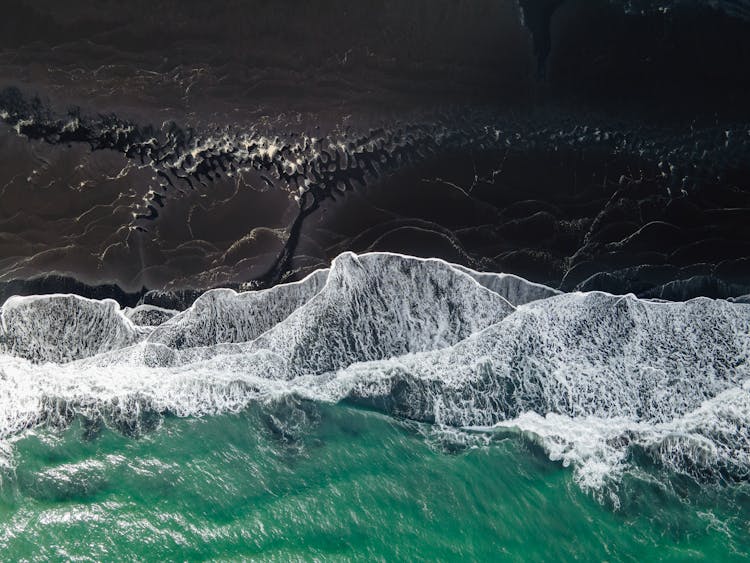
(572,220)
(587,147)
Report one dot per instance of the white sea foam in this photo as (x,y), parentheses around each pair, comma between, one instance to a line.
(60,328)
(223,315)
(591,376)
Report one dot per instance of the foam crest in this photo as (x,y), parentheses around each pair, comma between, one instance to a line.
(709,444)
(378,306)
(60,328)
(225,316)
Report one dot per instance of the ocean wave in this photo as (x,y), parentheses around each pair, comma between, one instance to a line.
(593,376)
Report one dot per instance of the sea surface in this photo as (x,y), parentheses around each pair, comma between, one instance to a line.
(344,483)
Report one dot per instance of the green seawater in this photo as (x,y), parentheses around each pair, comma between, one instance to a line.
(332,482)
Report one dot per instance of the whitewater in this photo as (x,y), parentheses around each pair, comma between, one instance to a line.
(592,377)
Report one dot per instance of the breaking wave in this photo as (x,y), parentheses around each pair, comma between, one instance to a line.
(598,380)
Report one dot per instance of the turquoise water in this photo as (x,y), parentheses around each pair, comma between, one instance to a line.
(306,481)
